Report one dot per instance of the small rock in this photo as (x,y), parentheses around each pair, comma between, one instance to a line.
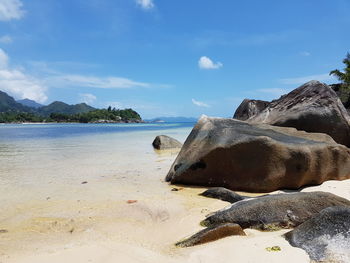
(131,201)
(162,142)
(85,182)
(2,231)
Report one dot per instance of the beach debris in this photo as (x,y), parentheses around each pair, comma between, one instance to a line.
(211,234)
(257,157)
(3,231)
(325,237)
(273,249)
(131,201)
(163,142)
(84,182)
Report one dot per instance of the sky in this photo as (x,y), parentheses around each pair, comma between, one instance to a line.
(168,58)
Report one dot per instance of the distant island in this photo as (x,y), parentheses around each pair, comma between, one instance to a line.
(12,111)
(172,119)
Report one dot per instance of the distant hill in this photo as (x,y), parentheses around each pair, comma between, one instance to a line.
(30,103)
(63,108)
(173,119)
(7,103)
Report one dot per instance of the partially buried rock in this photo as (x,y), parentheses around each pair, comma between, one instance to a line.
(273,212)
(211,234)
(257,158)
(223,194)
(326,236)
(313,107)
(163,142)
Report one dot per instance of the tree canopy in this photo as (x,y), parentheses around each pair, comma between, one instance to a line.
(344,77)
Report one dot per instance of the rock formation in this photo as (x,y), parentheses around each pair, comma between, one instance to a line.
(211,234)
(163,142)
(257,158)
(313,107)
(250,108)
(275,211)
(326,236)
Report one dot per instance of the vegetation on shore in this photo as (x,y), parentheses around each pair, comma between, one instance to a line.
(12,111)
(96,116)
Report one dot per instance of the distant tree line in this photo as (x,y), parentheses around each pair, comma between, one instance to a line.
(98,115)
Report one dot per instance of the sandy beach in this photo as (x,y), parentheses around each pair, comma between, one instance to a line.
(102,206)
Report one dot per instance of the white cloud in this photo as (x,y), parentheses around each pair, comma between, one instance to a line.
(87,98)
(305,54)
(145,4)
(3,59)
(95,82)
(5,39)
(11,9)
(302,80)
(200,103)
(206,63)
(19,84)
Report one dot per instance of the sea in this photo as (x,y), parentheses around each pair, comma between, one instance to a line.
(59,178)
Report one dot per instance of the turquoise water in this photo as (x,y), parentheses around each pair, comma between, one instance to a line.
(39,159)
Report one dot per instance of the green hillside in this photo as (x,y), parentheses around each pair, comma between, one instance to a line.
(8,104)
(63,108)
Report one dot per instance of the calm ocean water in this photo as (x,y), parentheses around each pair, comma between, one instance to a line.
(9,132)
(38,159)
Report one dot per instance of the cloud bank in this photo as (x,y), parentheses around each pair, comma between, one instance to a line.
(19,84)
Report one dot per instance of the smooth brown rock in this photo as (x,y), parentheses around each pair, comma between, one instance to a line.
(211,234)
(257,158)
(163,142)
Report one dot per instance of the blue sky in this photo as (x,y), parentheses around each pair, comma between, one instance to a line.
(168,58)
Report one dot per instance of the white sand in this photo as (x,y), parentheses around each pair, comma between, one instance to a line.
(66,221)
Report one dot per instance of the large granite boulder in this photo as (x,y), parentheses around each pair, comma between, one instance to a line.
(257,158)
(163,142)
(326,236)
(249,108)
(313,107)
(276,211)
